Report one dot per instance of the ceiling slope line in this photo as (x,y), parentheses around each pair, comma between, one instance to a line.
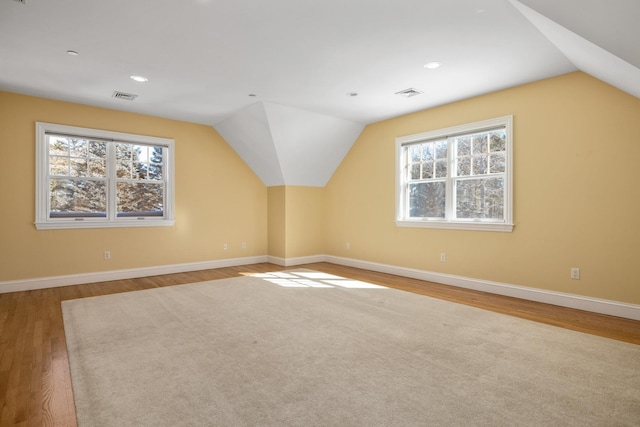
(248,132)
(309,145)
(585,55)
(284,145)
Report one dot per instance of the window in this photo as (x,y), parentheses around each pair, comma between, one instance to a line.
(459,177)
(87,178)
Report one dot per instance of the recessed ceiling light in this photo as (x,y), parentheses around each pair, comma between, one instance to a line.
(432,65)
(352,93)
(253,95)
(73,53)
(140,79)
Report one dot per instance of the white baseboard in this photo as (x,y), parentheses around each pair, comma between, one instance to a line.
(288,262)
(596,305)
(80,279)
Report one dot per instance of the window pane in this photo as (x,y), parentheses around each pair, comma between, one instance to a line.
(156,154)
(427,170)
(427,151)
(78,147)
(441,149)
(141,153)
(480,143)
(415,171)
(77,198)
(464,146)
(59,165)
(124,169)
(480,198)
(98,149)
(123,151)
(497,163)
(139,170)
(155,172)
(427,200)
(97,168)
(58,146)
(78,167)
(479,165)
(441,169)
(414,153)
(498,141)
(140,199)
(464,166)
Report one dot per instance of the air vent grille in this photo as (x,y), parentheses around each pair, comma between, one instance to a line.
(125,96)
(21,1)
(408,93)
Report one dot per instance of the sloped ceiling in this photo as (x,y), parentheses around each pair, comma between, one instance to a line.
(289,146)
(589,52)
(276,78)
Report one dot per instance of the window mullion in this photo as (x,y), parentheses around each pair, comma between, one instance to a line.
(164,182)
(111,181)
(449,198)
(405,182)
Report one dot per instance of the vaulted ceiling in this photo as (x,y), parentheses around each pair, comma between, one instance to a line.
(290,84)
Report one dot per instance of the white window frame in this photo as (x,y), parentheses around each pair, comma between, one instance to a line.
(401,217)
(43,220)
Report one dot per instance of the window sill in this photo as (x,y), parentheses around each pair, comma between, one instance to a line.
(457,225)
(67,225)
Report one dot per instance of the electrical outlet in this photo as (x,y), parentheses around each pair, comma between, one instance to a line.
(107,255)
(224,246)
(575,273)
(244,245)
(443,257)
(347,245)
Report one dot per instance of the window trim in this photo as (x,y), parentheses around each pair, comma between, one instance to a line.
(506,225)
(43,220)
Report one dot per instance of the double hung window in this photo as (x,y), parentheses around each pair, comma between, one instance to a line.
(88,178)
(459,177)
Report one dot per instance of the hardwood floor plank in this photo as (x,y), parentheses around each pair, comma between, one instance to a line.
(35,385)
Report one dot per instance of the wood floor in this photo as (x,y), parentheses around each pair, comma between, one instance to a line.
(35,386)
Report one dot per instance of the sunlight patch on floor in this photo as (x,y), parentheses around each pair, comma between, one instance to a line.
(313,279)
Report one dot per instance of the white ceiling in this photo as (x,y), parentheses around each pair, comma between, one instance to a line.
(204,58)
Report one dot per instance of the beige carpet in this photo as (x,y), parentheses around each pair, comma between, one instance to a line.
(309,349)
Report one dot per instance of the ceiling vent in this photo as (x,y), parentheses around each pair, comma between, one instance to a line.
(408,93)
(22,1)
(125,96)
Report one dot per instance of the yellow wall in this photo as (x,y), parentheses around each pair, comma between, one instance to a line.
(576,151)
(276,220)
(218,199)
(577,204)
(296,221)
(305,219)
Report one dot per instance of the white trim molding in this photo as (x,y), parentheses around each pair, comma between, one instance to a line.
(289,262)
(579,302)
(104,276)
(43,218)
(449,221)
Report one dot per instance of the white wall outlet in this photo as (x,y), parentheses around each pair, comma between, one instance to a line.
(107,255)
(224,246)
(347,245)
(244,245)
(443,257)
(575,273)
